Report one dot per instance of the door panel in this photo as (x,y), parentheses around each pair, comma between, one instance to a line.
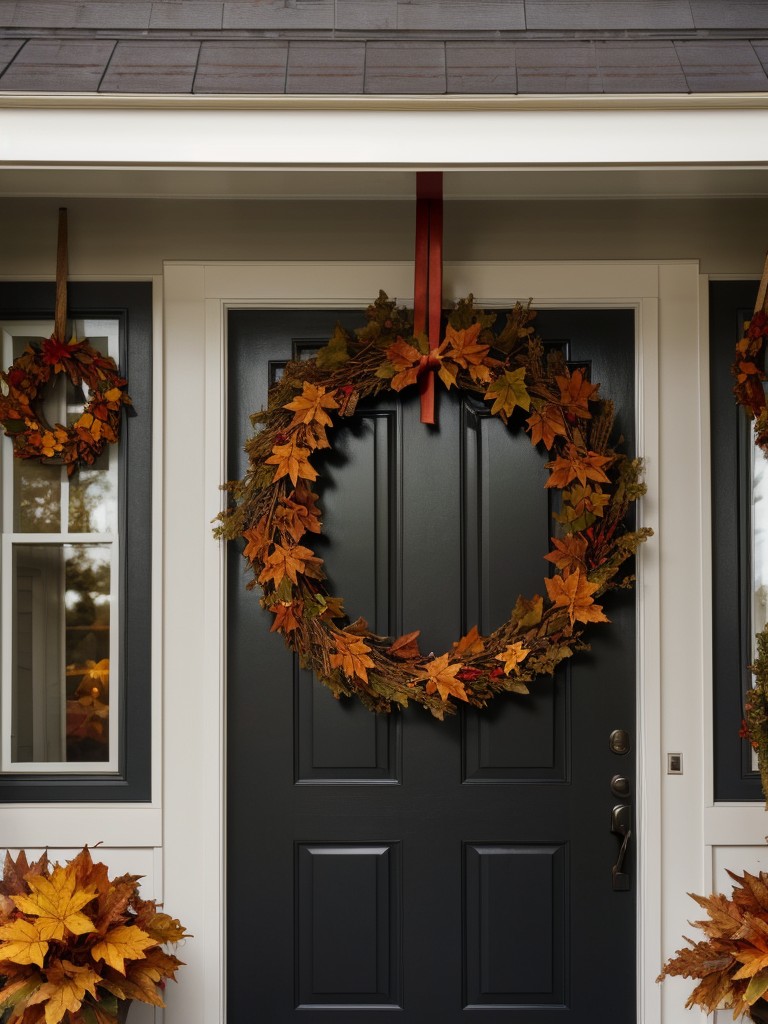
(457,870)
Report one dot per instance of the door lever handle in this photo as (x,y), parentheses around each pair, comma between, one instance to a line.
(621,819)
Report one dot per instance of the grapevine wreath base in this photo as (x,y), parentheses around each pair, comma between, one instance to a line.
(275,510)
(21,392)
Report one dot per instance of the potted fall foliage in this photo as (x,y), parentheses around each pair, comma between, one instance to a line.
(76,946)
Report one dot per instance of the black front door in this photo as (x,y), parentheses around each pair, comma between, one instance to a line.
(455,871)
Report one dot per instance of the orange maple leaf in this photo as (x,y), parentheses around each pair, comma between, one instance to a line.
(351,656)
(440,675)
(288,560)
(406,647)
(545,424)
(295,518)
(292,461)
(470,644)
(406,361)
(285,613)
(569,552)
(576,392)
(315,436)
(512,656)
(577,465)
(463,348)
(258,540)
(573,591)
(311,406)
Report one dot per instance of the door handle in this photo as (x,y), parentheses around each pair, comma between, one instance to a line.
(621,820)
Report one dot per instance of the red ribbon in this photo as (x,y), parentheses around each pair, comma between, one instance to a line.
(428,282)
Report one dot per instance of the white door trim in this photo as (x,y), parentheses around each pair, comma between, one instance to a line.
(197,296)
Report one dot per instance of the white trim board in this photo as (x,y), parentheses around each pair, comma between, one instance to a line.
(194,135)
(197,295)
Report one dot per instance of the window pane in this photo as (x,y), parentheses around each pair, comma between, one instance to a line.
(61,651)
(759,540)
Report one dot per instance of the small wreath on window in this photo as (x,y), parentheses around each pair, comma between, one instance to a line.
(22,387)
(275,509)
(749,370)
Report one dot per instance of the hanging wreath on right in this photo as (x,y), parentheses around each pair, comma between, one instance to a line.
(749,370)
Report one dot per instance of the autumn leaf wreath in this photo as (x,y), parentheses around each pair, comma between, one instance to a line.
(749,371)
(274,509)
(22,387)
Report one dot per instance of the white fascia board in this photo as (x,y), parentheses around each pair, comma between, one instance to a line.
(40,130)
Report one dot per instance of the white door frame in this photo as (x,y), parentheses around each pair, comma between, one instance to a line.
(197,296)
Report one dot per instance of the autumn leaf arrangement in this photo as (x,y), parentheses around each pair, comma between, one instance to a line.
(40,366)
(731,962)
(749,371)
(75,944)
(275,511)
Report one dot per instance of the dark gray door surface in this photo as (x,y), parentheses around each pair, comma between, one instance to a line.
(455,871)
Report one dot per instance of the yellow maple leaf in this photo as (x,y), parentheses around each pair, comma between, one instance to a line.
(292,460)
(351,656)
(311,405)
(508,391)
(65,990)
(125,942)
(440,674)
(56,903)
(573,591)
(512,656)
(22,942)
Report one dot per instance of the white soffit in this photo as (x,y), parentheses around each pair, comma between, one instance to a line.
(368,147)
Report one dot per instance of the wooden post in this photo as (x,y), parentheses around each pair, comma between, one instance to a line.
(762,292)
(60,320)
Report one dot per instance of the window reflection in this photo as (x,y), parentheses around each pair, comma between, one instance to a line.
(61,648)
(759,540)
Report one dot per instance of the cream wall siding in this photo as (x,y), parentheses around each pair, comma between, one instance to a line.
(134,236)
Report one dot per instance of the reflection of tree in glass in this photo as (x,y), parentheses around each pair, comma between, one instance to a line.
(90,498)
(38,497)
(87,584)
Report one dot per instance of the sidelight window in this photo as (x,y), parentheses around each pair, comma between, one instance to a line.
(76,571)
(60,582)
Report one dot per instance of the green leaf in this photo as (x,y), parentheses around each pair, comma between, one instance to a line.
(17,992)
(758,984)
(509,391)
(13,426)
(284,590)
(528,613)
(336,352)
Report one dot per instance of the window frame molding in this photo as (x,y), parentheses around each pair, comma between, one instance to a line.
(131,302)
